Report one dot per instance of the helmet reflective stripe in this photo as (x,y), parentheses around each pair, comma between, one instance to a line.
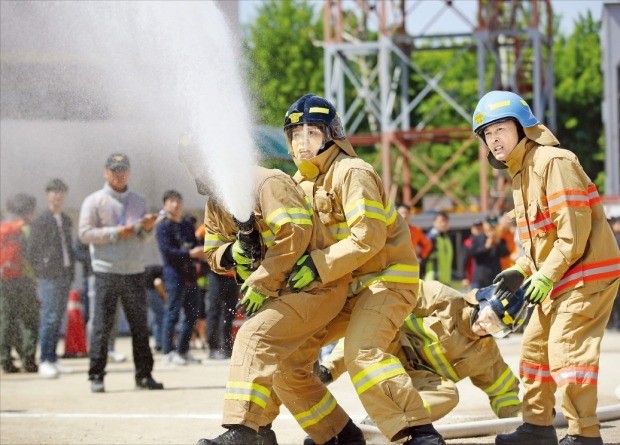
(498,105)
(319,110)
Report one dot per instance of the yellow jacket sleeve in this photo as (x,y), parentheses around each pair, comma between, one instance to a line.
(286,229)
(363,208)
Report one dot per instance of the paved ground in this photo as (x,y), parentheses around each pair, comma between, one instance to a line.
(63,411)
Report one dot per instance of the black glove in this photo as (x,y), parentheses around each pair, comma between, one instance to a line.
(249,239)
(509,281)
(324,375)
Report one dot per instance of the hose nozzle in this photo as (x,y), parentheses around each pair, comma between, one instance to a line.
(245,227)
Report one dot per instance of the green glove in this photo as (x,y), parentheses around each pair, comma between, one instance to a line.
(304,272)
(243,271)
(252,300)
(539,287)
(239,255)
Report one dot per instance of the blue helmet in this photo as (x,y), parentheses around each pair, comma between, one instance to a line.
(500,105)
(314,110)
(511,312)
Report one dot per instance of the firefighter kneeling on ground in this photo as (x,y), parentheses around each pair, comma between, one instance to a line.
(452,335)
(572,265)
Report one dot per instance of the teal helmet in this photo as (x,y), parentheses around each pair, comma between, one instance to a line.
(314,110)
(509,312)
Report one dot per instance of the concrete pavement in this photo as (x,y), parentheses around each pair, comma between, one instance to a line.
(64,411)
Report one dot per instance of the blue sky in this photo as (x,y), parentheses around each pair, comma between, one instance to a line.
(448,21)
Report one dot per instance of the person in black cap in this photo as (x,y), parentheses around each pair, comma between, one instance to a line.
(115,222)
(52,260)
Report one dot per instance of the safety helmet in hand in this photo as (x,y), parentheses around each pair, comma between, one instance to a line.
(502,315)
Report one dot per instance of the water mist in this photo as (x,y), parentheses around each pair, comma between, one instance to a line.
(168,68)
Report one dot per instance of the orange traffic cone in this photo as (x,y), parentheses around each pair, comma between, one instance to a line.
(75,333)
(237,322)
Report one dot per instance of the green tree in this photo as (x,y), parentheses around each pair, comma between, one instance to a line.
(579,93)
(283,60)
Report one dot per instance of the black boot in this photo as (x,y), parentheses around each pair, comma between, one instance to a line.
(350,435)
(236,435)
(31,367)
(529,434)
(266,436)
(9,367)
(424,435)
(148,383)
(581,440)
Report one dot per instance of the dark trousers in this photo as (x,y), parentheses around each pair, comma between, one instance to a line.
(222,297)
(18,305)
(130,289)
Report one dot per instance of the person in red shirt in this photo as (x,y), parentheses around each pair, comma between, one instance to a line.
(421,244)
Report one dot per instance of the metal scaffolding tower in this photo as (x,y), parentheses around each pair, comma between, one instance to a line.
(370,60)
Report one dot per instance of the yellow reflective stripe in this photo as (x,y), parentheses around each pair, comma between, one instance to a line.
(427,405)
(268,238)
(247,392)
(318,412)
(390,213)
(431,349)
(213,242)
(376,373)
(495,106)
(288,215)
(339,231)
(322,110)
(508,399)
(396,273)
(364,207)
(502,384)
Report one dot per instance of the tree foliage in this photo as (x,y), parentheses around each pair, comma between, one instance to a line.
(284,62)
(579,93)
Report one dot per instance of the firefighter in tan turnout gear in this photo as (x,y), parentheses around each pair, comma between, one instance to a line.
(446,334)
(375,246)
(276,335)
(571,266)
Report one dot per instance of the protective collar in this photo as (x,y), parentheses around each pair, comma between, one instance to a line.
(310,168)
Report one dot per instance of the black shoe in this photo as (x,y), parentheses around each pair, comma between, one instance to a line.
(236,435)
(350,435)
(424,435)
(266,436)
(9,367)
(148,383)
(31,367)
(96,385)
(529,434)
(581,440)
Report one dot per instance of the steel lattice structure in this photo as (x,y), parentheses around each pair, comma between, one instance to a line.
(371,47)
